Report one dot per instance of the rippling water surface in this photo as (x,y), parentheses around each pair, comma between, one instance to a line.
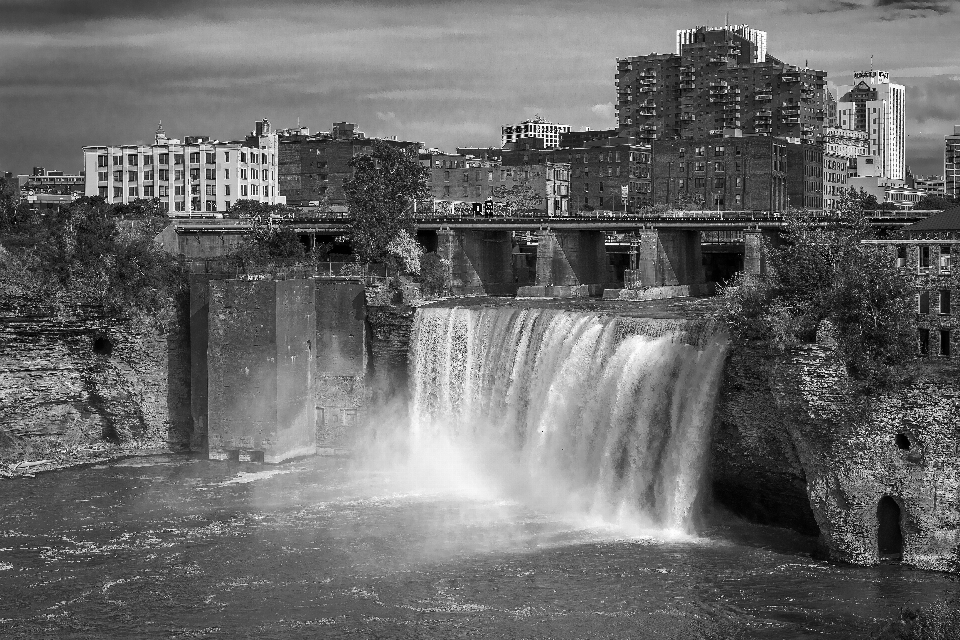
(173,547)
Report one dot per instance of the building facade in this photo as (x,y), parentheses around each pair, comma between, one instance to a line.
(193,176)
(748,173)
(875,106)
(48,189)
(549,132)
(951,163)
(313,168)
(720,81)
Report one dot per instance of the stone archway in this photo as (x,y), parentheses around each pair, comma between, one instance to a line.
(889,529)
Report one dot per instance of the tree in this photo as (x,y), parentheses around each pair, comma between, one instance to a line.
(935,201)
(822,273)
(380,196)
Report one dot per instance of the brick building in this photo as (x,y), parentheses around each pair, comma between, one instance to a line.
(805,176)
(313,168)
(749,173)
(457,180)
(599,170)
(719,79)
(928,251)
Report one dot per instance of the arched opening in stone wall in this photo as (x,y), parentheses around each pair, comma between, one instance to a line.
(102,346)
(889,530)
(902,441)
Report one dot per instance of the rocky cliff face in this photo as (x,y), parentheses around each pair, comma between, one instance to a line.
(83,387)
(796,446)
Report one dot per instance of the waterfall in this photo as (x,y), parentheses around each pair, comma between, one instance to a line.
(568,408)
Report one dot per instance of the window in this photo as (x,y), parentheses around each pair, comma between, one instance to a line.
(945,342)
(148,191)
(243,191)
(226,205)
(718,151)
(164,158)
(226,156)
(446,191)
(446,176)
(178,190)
(132,159)
(739,182)
(263,159)
(680,183)
(226,174)
(719,166)
(924,340)
(194,189)
(178,158)
(164,175)
(738,151)
(924,257)
(243,174)
(601,188)
(211,174)
(243,157)
(719,183)
(194,157)
(117,176)
(945,258)
(180,205)
(226,190)
(102,176)
(211,205)
(211,157)
(701,166)
(737,199)
(195,174)
(923,307)
(164,191)
(131,176)
(117,161)
(101,161)
(211,189)
(118,192)
(133,192)
(148,175)
(147,160)
(701,151)
(103,192)
(699,183)
(945,301)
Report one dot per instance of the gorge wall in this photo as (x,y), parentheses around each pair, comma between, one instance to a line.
(795,445)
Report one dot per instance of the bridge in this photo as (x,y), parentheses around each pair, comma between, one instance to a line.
(556,254)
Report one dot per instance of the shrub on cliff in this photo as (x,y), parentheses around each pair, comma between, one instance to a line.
(826,273)
(91,253)
(380,196)
(434,275)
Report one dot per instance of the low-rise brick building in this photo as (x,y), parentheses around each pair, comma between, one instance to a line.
(313,168)
(737,173)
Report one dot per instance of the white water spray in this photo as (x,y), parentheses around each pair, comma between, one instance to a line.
(563,409)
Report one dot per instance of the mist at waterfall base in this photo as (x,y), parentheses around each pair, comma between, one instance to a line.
(559,411)
(557,504)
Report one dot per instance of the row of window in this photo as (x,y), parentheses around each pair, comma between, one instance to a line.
(924,340)
(132,159)
(923,257)
(923,302)
(163,191)
(178,174)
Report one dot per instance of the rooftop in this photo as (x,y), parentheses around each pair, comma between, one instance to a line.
(948,220)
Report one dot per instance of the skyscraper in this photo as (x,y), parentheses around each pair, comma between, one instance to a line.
(951,163)
(720,82)
(876,105)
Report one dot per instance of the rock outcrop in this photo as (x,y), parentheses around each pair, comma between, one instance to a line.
(795,445)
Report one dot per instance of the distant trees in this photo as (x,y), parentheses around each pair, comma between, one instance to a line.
(933,201)
(518,198)
(380,197)
(819,274)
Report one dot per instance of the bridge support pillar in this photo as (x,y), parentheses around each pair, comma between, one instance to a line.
(572,258)
(481,262)
(668,257)
(754,258)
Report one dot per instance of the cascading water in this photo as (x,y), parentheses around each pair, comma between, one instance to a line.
(567,409)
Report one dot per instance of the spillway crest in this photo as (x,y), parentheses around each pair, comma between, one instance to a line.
(569,408)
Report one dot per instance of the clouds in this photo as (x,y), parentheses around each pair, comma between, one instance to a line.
(447,73)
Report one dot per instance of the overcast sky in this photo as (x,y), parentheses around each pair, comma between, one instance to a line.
(447,73)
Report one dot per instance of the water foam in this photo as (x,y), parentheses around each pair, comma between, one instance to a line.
(562,409)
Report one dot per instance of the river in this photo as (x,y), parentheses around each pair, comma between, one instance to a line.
(173,547)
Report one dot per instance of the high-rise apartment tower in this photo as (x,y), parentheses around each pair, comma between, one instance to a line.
(876,105)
